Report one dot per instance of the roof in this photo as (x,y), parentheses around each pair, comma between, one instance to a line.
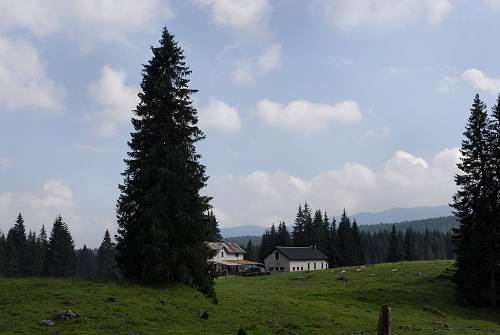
(301,253)
(236,263)
(230,247)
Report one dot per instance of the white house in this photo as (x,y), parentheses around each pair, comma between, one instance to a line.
(289,259)
(229,257)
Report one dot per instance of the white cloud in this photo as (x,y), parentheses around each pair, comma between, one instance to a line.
(23,80)
(40,207)
(86,20)
(219,115)
(306,117)
(239,14)
(443,86)
(5,162)
(243,74)
(405,181)
(374,133)
(270,59)
(479,80)
(117,100)
(88,147)
(385,14)
(248,69)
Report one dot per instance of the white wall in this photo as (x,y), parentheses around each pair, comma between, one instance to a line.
(222,255)
(285,264)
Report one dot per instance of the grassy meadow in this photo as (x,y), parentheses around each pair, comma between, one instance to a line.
(318,303)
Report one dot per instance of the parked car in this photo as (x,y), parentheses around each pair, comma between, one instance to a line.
(254,271)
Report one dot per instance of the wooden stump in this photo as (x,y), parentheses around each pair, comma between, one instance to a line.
(384,321)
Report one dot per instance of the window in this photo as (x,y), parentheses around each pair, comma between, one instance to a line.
(321,265)
(314,265)
(308,266)
(237,255)
(302,268)
(277,255)
(282,268)
(221,254)
(293,269)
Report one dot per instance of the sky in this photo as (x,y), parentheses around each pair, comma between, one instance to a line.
(356,104)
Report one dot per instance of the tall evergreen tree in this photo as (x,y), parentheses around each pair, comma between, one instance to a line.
(11,267)
(284,239)
(333,244)
(106,257)
(61,256)
(357,245)
(251,252)
(308,225)
(3,247)
(298,229)
(395,253)
(474,240)
(43,246)
(19,239)
(345,245)
(409,246)
(161,214)
(30,256)
(84,262)
(213,231)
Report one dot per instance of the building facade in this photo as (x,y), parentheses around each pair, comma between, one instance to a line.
(290,259)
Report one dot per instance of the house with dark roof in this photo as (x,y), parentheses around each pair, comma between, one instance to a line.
(290,259)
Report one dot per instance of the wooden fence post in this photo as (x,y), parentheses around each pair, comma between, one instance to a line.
(384,321)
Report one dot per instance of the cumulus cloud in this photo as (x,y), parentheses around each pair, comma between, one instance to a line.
(444,86)
(268,60)
(23,79)
(405,181)
(117,101)
(239,14)
(219,115)
(374,133)
(306,117)
(479,80)
(87,20)
(385,14)
(39,207)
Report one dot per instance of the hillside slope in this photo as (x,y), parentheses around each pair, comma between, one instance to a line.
(317,304)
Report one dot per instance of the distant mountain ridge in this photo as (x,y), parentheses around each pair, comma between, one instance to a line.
(392,215)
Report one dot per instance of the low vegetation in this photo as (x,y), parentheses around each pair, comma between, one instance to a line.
(292,303)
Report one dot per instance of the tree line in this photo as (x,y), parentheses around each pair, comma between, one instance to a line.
(28,255)
(347,244)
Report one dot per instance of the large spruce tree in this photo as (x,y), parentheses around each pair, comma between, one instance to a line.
(213,231)
(395,252)
(106,265)
(61,256)
(161,214)
(475,274)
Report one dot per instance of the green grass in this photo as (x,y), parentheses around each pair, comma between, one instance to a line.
(320,304)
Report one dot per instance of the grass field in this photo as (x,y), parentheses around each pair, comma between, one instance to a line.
(276,304)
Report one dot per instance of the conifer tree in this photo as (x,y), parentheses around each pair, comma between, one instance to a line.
(2,254)
(359,253)
(475,274)
(30,256)
(308,225)
(19,240)
(84,262)
(344,236)
(333,244)
(12,267)
(43,247)
(213,230)
(409,246)
(284,239)
(395,253)
(61,256)
(298,229)
(161,214)
(250,252)
(106,257)
(317,225)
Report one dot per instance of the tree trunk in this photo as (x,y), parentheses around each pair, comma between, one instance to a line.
(384,321)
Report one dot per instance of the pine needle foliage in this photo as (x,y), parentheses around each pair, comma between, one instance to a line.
(161,214)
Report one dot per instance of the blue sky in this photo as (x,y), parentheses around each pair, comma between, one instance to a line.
(343,103)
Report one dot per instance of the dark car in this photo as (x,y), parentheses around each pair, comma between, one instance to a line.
(253,271)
